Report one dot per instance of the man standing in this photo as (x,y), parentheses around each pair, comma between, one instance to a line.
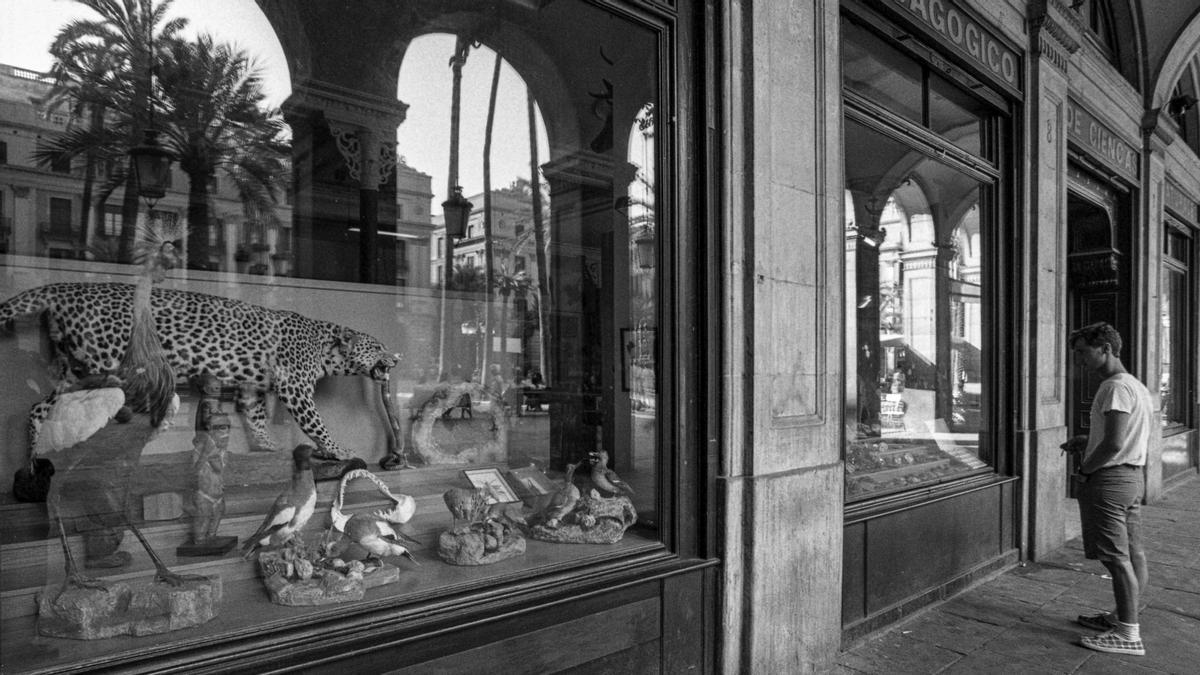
(1111,485)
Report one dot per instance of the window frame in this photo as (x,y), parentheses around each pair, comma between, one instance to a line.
(998,189)
(1186,268)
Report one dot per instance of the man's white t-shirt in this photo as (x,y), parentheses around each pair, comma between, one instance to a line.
(1125,393)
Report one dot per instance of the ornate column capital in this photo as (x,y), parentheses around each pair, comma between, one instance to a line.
(1055,31)
(359,123)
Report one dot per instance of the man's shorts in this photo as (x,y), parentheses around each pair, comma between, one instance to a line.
(1109,512)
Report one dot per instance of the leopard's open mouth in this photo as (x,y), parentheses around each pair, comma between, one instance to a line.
(382,371)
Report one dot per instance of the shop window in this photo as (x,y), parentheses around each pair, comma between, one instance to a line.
(919,273)
(1177,347)
(523,385)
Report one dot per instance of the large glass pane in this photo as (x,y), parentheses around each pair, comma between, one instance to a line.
(955,115)
(1173,347)
(914,276)
(300,279)
(881,73)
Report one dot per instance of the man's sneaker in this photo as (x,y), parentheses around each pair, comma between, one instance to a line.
(1104,621)
(1113,644)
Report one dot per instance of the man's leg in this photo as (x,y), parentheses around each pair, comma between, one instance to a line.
(1125,589)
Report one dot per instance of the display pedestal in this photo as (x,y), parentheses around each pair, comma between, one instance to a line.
(595,520)
(126,608)
(215,546)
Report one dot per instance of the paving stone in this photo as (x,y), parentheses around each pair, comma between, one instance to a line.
(1179,602)
(1033,591)
(1101,664)
(894,653)
(989,607)
(1094,591)
(1172,642)
(1174,577)
(1050,573)
(1170,552)
(986,663)
(1049,647)
(950,631)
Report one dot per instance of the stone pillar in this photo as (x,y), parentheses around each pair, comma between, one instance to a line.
(1050,515)
(344,156)
(781,475)
(1148,256)
(588,256)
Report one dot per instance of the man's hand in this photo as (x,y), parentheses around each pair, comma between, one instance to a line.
(1075,444)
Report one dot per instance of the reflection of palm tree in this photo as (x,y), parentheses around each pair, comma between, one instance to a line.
(216,121)
(539,238)
(111,59)
(488,254)
(462,47)
(509,283)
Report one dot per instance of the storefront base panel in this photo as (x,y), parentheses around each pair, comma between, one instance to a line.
(658,621)
(900,559)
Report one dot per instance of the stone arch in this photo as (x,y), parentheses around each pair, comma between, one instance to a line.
(1184,51)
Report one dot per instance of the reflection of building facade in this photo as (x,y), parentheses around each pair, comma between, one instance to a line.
(840,378)
(42,207)
(414,226)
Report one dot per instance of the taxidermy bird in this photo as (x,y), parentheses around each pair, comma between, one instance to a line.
(466,504)
(605,478)
(563,502)
(149,380)
(91,487)
(379,531)
(291,509)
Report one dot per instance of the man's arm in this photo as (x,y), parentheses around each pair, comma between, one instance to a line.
(1114,428)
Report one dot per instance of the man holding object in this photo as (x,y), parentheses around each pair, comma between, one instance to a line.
(1111,485)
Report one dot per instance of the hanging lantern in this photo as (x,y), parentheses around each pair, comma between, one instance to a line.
(457,212)
(151,167)
(646,248)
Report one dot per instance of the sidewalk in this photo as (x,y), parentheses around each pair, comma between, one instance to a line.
(1022,621)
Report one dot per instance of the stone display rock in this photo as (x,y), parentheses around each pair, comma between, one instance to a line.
(595,520)
(320,585)
(475,547)
(127,608)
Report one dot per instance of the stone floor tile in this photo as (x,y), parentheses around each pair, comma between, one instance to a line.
(1102,664)
(1052,648)
(1092,591)
(989,607)
(1028,589)
(1174,577)
(1182,603)
(1172,642)
(1170,552)
(894,653)
(1060,574)
(950,631)
(990,663)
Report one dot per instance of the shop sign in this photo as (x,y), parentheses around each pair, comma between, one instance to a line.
(969,37)
(1089,133)
(1178,201)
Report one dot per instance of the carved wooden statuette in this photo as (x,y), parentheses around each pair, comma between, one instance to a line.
(210,446)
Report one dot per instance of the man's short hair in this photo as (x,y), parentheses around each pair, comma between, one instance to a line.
(1097,335)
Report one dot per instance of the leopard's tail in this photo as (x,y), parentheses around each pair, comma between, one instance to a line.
(29,302)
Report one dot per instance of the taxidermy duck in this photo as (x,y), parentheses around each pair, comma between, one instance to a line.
(292,508)
(605,478)
(379,531)
(564,501)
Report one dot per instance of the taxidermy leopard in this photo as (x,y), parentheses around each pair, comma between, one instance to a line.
(243,345)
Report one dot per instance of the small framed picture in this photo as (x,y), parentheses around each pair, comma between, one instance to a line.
(502,492)
(530,480)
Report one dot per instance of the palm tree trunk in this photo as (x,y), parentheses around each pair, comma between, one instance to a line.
(461,48)
(96,120)
(539,241)
(488,251)
(197,220)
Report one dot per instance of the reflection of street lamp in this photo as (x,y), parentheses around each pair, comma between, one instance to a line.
(457,211)
(474,328)
(151,168)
